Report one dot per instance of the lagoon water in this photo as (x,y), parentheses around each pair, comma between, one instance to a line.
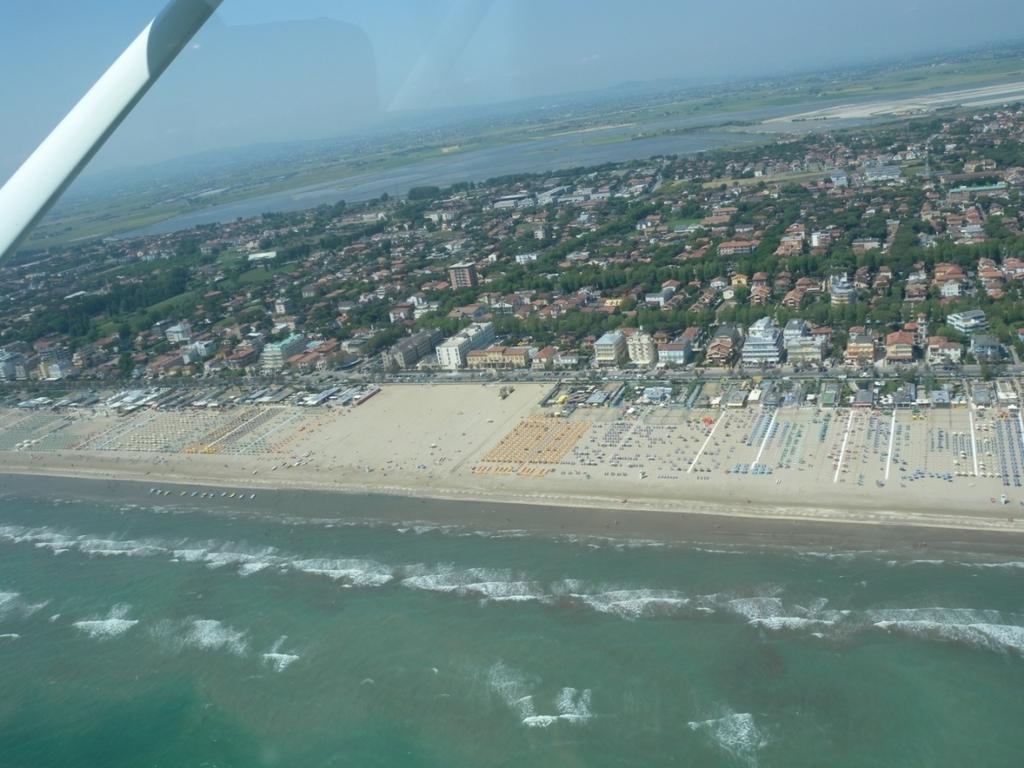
(549,154)
(138,635)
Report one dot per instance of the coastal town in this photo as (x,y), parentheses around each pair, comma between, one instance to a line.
(499,383)
(831,311)
(896,249)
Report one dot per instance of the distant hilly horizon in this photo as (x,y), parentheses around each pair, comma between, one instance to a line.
(276,118)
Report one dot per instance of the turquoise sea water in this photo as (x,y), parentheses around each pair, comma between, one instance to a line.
(138,636)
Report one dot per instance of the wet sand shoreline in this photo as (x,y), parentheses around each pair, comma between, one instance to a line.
(637,526)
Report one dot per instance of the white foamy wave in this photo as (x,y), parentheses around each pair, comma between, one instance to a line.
(247,562)
(568,587)
(9,602)
(900,563)
(1011,564)
(512,687)
(189,555)
(813,616)
(735,734)
(935,615)
(59,542)
(790,622)
(221,559)
(475,581)
(9,636)
(993,637)
(539,721)
(355,572)
(280,661)
(12,605)
(247,569)
(635,603)
(358,573)
(118,548)
(212,635)
(756,608)
(574,706)
(504,591)
(42,538)
(113,625)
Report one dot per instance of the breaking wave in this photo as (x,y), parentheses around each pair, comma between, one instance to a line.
(984,629)
(201,634)
(512,686)
(278,660)
(115,624)
(635,603)
(764,609)
(13,606)
(735,734)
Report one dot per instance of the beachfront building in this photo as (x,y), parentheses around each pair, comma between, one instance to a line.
(566,359)
(610,349)
(452,352)
(675,352)
(806,350)
(899,347)
(721,349)
(968,322)
(942,351)
(462,275)
(544,360)
(498,357)
(274,354)
(406,352)
(796,328)
(801,344)
(986,347)
(860,349)
(763,346)
(641,348)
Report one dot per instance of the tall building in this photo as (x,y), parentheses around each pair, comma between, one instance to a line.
(462,275)
(860,349)
(806,349)
(641,348)
(796,328)
(842,291)
(452,352)
(763,345)
(800,344)
(275,354)
(610,349)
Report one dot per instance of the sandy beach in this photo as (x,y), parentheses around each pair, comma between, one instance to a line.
(955,469)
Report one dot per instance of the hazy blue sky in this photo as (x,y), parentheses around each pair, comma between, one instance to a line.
(271,70)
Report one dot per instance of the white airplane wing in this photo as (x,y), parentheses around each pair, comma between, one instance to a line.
(48,171)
